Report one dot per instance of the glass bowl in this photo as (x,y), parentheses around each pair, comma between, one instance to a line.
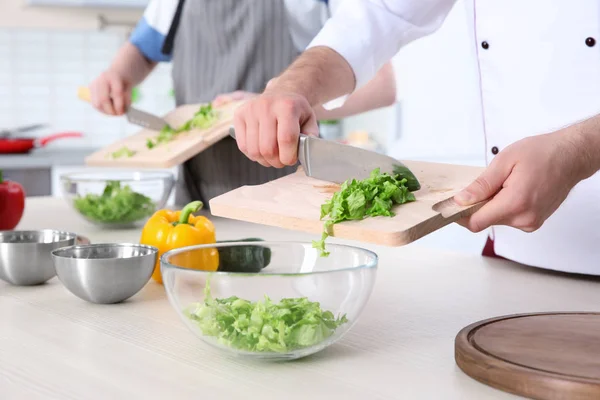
(117,199)
(269,300)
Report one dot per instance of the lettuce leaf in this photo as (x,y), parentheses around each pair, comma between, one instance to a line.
(204,118)
(356,200)
(264,326)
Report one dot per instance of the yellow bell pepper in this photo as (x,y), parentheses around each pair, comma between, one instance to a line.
(168,230)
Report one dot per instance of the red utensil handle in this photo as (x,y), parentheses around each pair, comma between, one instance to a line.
(46,139)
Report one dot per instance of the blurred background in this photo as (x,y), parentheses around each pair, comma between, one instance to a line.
(48,48)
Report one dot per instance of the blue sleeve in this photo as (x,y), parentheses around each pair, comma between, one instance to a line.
(149,41)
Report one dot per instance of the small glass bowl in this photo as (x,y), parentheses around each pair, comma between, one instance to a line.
(147,191)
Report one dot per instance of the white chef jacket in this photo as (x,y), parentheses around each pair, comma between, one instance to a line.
(538,64)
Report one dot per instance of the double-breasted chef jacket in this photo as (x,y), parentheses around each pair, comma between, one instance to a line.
(538,70)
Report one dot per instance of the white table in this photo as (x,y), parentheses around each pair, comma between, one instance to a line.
(54,345)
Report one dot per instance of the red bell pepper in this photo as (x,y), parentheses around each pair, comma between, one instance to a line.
(12,203)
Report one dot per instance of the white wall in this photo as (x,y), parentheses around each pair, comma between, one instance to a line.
(19,14)
(40,71)
(47,52)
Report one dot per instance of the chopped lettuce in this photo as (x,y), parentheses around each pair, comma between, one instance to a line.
(122,152)
(202,119)
(356,200)
(264,326)
(116,204)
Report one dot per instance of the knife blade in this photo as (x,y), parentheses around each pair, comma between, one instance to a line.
(336,162)
(144,119)
(134,115)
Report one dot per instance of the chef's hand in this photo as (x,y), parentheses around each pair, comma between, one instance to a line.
(111,94)
(267,127)
(238,95)
(526,182)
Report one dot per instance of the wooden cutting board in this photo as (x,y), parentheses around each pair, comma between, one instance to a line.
(539,356)
(167,155)
(294,202)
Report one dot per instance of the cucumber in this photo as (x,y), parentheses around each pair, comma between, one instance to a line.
(249,259)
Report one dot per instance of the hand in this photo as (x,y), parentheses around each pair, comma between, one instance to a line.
(111,94)
(526,182)
(233,96)
(267,127)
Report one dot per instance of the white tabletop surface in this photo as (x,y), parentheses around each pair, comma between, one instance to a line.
(55,346)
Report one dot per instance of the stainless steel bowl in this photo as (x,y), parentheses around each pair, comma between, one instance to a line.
(105,273)
(25,256)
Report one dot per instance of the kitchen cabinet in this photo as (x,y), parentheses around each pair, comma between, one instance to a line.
(91,3)
(35,181)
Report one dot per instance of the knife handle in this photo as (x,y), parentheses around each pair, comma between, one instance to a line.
(451,210)
(84,94)
(232,133)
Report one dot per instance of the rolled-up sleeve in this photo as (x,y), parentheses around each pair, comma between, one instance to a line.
(150,32)
(368,33)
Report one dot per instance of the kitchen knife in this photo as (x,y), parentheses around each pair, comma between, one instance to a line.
(336,162)
(134,115)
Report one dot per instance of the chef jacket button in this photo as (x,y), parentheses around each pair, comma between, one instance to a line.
(590,42)
(494,150)
(485,45)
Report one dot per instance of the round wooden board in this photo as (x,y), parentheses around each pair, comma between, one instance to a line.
(539,356)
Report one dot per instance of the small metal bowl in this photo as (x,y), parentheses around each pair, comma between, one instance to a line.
(25,258)
(105,273)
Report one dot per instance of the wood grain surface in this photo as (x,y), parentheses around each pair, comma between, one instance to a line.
(293,202)
(167,155)
(541,356)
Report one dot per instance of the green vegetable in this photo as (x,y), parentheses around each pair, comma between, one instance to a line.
(329,122)
(251,258)
(115,204)
(202,119)
(122,152)
(135,95)
(357,200)
(264,326)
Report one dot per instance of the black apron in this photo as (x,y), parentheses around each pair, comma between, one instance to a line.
(219,46)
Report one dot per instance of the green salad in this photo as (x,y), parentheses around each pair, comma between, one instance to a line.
(264,326)
(356,200)
(116,204)
(202,119)
(122,152)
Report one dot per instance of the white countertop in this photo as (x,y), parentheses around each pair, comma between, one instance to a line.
(54,345)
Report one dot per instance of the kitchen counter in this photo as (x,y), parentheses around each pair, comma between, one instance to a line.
(44,158)
(54,345)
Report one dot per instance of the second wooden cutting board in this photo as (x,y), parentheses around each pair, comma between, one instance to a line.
(167,155)
(294,202)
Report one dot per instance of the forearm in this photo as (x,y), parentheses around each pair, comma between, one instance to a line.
(131,64)
(585,137)
(319,74)
(379,92)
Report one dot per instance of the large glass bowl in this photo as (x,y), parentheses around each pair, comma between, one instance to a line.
(117,199)
(270,300)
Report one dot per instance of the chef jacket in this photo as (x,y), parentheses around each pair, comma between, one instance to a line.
(538,70)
